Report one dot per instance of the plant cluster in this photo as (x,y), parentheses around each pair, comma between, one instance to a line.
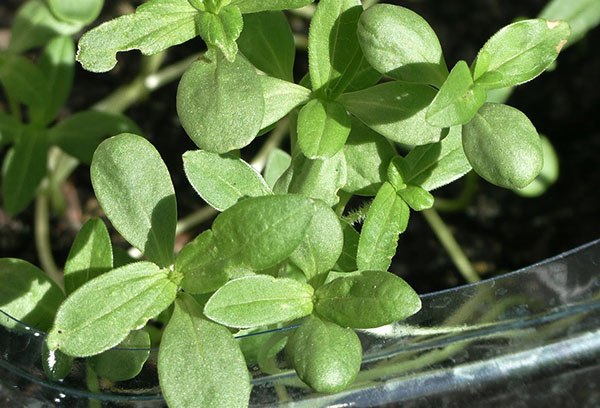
(284,249)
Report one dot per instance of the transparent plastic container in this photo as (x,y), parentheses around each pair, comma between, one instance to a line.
(530,338)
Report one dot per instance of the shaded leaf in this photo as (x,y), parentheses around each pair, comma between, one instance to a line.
(323,127)
(125,361)
(280,98)
(547,176)
(23,80)
(76,11)
(57,365)
(277,163)
(347,260)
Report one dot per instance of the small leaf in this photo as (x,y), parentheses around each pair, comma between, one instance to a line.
(322,245)
(200,364)
(222,179)
(90,255)
(155,26)
(34,25)
(267,354)
(31,297)
(323,127)
(57,365)
(520,52)
(76,11)
(230,97)
(126,360)
(277,163)
(387,217)
(23,80)
(101,313)
(80,134)
(253,6)
(347,260)
(259,300)
(333,50)
(369,299)
(398,172)
(326,356)
(458,99)
(547,176)
(384,30)
(280,98)
(268,43)
(582,16)
(395,110)
(135,191)
(221,30)
(437,164)
(416,197)
(503,146)
(23,169)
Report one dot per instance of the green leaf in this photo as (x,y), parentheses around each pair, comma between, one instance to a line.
(317,179)
(503,146)
(326,356)
(333,275)
(277,163)
(398,172)
(458,99)
(199,362)
(31,296)
(90,256)
(367,157)
(386,219)
(385,30)
(416,197)
(23,80)
(80,134)
(221,30)
(23,169)
(126,360)
(57,365)
(101,313)
(10,128)
(547,176)
(260,232)
(222,179)
(268,353)
(365,77)
(437,164)
(395,110)
(253,6)
(322,246)
(155,26)
(58,67)
(76,11)
(268,43)
(259,300)
(34,25)
(230,97)
(519,52)
(135,191)
(347,260)
(280,98)
(582,16)
(323,127)
(199,263)
(333,50)
(369,299)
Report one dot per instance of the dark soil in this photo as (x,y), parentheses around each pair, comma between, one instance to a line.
(499,230)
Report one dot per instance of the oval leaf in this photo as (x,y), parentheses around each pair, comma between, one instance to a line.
(507,156)
(134,189)
(259,300)
(76,11)
(369,299)
(126,360)
(323,128)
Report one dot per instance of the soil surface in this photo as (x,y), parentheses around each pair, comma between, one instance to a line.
(499,231)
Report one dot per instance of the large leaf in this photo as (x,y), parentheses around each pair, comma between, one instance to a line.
(126,360)
(27,295)
(333,50)
(280,98)
(322,246)
(582,15)
(76,11)
(268,43)
(135,191)
(253,6)
(222,179)
(80,134)
(259,300)
(399,43)
(199,362)
(503,146)
(101,313)
(323,127)
(366,300)
(367,157)
(230,97)
(23,169)
(155,26)
(222,29)
(90,255)
(396,110)
(387,217)
(326,356)
(519,52)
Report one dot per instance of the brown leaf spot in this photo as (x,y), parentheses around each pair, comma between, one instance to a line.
(560,45)
(552,23)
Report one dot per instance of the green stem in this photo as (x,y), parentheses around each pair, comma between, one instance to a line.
(196,218)
(465,197)
(447,240)
(42,237)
